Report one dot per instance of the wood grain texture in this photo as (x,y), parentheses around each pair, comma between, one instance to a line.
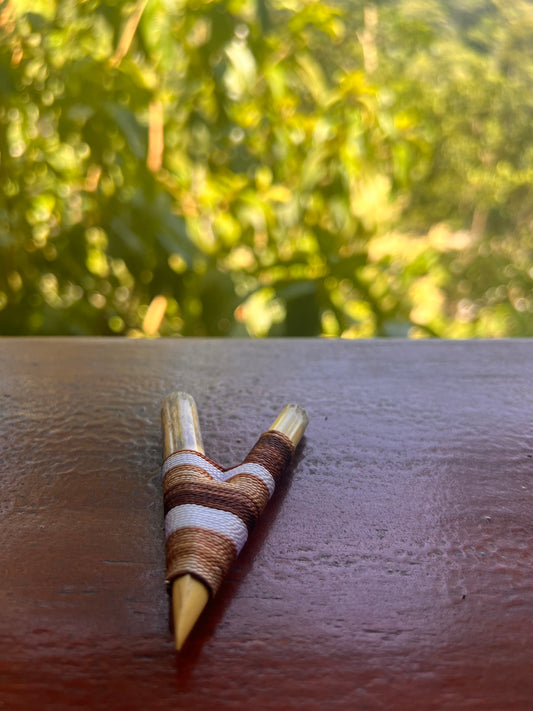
(391,570)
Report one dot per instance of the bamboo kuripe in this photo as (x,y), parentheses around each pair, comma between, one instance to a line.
(191,483)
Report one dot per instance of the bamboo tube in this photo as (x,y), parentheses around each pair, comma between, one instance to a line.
(292,421)
(181,430)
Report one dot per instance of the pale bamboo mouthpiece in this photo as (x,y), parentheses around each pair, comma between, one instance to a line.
(181,429)
(292,421)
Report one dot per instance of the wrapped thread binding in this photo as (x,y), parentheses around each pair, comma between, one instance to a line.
(209,510)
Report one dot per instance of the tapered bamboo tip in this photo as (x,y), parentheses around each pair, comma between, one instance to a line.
(189,597)
(292,421)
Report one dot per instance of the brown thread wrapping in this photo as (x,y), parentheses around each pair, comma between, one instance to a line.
(255,490)
(216,495)
(184,472)
(274,451)
(208,554)
(201,553)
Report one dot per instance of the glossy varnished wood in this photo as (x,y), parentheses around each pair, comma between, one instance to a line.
(391,570)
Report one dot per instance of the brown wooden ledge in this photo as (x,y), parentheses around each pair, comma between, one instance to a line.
(392,569)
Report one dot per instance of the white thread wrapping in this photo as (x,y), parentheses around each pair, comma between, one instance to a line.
(224,522)
(191,458)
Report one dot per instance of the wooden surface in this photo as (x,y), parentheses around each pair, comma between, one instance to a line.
(392,569)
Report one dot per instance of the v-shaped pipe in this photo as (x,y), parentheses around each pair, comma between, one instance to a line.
(209,510)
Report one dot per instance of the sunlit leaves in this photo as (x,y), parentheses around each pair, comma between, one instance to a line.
(273,168)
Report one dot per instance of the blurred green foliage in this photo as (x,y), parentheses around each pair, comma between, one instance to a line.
(266,167)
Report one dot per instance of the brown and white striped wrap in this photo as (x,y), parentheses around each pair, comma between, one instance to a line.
(209,510)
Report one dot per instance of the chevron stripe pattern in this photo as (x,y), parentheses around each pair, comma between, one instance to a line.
(210,511)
